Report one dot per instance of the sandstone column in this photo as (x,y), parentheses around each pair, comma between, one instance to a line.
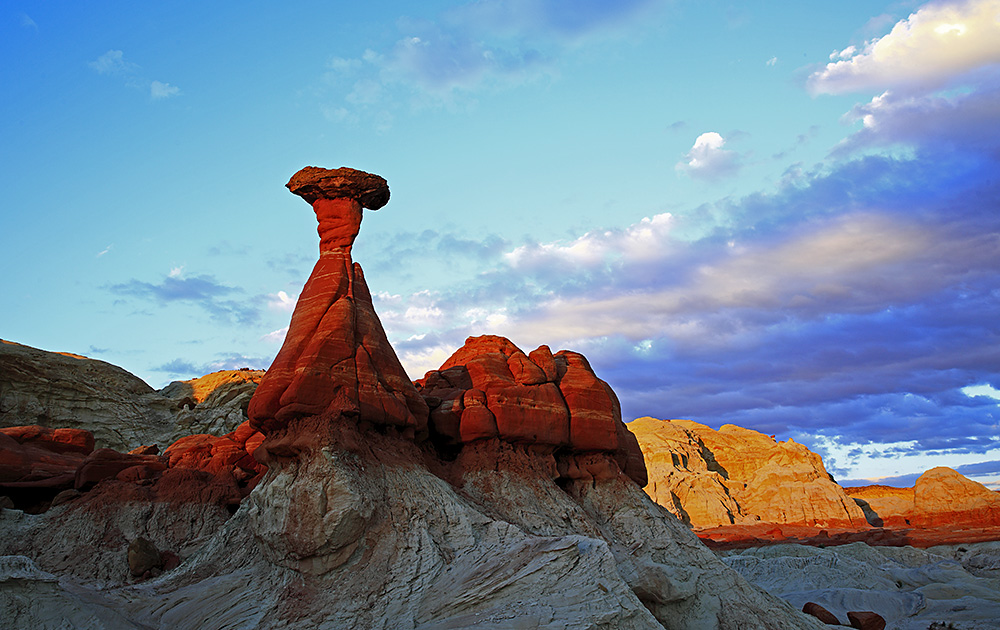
(336,361)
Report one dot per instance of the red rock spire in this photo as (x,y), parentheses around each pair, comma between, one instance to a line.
(336,360)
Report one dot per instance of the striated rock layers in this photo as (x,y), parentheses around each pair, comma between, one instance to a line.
(512,511)
(336,358)
(941,497)
(490,389)
(735,476)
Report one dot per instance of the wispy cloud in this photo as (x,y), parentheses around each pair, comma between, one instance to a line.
(202,290)
(27,22)
(490,44)
(104,251)
(275,336)
(113,63)
(158,90)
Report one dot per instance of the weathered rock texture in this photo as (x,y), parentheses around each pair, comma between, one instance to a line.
(909,588)
(215,404)
(941,497)
(359,533)
(59,390)
(336,358)
(733,476)
(490,389)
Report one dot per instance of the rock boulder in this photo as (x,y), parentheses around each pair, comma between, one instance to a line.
(489,388)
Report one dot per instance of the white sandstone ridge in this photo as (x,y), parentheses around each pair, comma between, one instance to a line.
(737,476)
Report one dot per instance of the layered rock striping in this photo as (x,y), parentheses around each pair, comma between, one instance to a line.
(336,358)
(490,389)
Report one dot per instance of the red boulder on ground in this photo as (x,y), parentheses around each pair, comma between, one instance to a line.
(866,620)
(824,615)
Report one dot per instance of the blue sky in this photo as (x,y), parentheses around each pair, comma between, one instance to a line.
(776,215)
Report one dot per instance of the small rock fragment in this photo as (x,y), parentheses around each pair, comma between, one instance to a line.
(142,557)
(824,615)
(866,620)
(66,496)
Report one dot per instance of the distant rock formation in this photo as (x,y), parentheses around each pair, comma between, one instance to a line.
(490,389)
(734,476)
(941,497)
(60,390)
(215,404)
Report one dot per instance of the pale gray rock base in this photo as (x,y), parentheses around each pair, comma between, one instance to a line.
(910,588)
(367,537)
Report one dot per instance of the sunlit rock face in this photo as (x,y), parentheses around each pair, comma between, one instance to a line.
(491,389)
(734,475)
(941,497)
(336,359)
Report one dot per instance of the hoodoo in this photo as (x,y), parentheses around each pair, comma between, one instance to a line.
(336,359)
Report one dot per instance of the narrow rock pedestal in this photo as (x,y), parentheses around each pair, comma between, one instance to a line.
(336,360)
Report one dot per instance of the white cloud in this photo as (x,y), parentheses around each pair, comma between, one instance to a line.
(105,250)
(707,159)
(772,61)
(642,241)
(926,51)
(275,336)
(281,301)
(113,63)
(846,53)
(27,22)
(982,390)
(158,90)
(175,272)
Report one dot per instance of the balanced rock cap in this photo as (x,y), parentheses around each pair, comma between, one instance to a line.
(313,182)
